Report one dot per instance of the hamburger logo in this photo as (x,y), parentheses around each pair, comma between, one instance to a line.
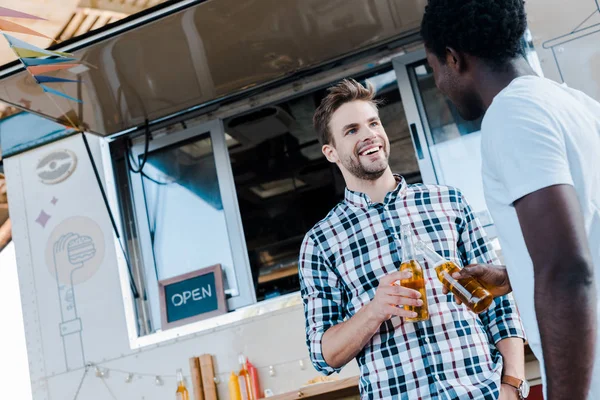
(75,250)
(56,166)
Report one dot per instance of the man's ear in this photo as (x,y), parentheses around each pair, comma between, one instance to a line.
(330,153)
(455,60)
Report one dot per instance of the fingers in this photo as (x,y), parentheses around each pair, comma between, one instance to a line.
(403,301)
(64,240)
(456,299)
(389,279)
(400,312)
(400,298)
(473,271)
(399,291)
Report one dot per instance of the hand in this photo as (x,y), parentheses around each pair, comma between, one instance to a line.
(493,277)
(390,297)
(508,392)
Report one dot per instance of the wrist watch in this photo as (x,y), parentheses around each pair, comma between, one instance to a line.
(521,385)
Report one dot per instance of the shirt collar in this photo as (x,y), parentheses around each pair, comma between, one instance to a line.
(362,200)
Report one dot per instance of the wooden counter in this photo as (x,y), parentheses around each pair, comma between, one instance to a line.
(323,391)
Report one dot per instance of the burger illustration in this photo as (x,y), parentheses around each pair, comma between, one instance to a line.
(81,250)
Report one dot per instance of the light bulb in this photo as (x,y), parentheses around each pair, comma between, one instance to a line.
(129,378)
(158,381)
(99,373)
(271,370)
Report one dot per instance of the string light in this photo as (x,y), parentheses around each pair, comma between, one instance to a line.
(100,373)
(104,373)
(128,376)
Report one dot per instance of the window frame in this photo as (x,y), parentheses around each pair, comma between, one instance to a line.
(246,292)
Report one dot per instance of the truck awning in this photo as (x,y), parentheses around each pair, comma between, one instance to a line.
(192,53)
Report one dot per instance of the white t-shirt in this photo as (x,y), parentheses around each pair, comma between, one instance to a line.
(538,133)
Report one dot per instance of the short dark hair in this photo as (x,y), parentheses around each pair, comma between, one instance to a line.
(488,29)
(343,92)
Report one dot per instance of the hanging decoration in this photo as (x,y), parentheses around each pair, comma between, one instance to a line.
(37,61)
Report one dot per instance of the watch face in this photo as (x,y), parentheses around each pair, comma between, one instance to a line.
(525,389)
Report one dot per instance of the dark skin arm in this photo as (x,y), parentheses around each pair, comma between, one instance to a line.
(565,297)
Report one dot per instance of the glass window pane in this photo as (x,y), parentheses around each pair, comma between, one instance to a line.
(185,212)
(454,143)
(444,121)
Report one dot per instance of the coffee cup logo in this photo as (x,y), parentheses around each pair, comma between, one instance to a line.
(56,166)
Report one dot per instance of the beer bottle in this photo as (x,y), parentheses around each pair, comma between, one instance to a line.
(472,293)
(182,392)
(417,281)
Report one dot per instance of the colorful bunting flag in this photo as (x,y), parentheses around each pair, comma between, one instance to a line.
(14,42)
(7,12)
(26,53)
(60,53)
(12,27)
(50,79)
(30,62)
(42,69)
(36,60)
(56,92)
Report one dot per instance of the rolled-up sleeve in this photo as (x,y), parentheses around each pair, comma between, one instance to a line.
(322,298)
(502,318)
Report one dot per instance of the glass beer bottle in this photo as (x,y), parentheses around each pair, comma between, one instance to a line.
(182,392)
(417,281)
(472,293)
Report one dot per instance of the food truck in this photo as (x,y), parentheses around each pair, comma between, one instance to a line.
(157,223)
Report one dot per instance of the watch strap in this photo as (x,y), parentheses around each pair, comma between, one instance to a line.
(514,382)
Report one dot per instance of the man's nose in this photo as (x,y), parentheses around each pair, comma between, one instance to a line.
(370,133)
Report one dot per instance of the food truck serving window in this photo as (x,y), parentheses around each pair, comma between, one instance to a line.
(237,195)
(180,216)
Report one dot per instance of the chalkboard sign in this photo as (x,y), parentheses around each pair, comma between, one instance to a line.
(192,297)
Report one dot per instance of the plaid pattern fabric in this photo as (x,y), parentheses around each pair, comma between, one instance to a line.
(450,356)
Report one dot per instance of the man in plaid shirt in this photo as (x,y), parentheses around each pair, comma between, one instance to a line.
(349,262)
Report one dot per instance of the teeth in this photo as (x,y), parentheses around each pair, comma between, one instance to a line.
(371,151)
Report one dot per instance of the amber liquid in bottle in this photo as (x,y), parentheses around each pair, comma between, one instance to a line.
(417,281)
(472,293)
(182,392)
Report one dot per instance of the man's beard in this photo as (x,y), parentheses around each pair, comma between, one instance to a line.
(373,172)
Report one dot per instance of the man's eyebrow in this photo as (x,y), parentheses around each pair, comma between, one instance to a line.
(352,125)
(355,124)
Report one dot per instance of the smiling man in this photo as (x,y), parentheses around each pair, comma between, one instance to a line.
(349,263)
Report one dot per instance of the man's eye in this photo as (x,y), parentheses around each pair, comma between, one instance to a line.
(374,123)
(351,132)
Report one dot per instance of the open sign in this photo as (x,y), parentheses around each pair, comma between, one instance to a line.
(192,297)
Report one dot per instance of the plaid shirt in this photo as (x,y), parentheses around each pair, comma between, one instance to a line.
(450,356)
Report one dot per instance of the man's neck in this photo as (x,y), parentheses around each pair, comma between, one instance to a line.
(492,81)
(376,189)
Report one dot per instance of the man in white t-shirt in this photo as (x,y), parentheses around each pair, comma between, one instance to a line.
(541,172)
